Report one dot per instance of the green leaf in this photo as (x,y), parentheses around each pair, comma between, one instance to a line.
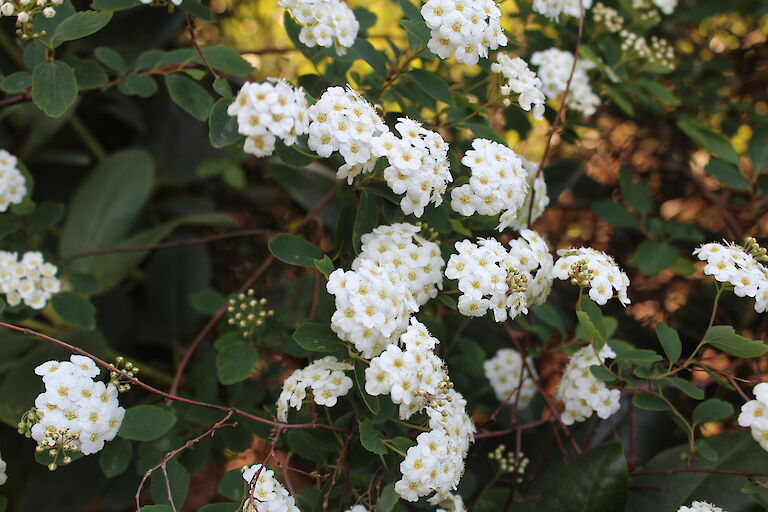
(220,507)
(115,457)
(374,58)
(139,85)
(79,25)
(16,82)
(586,323)
(758,148)
(366,219)
(222,87)
(75,310)
(601,373)
(724,338)
(635,193)
(621,101)
(146,423)
(189,95)
(670,341)
(294,250)
(316,337)
(88,73)
(111,59)
(639,356)
(431,84)
(659,91)
(235,362)
(706,451)
(292,156)
(708,139)
(713,409)
(196,9)
(549,315)
(388,499)
(232,485)
(596,481)
(371,402)
(114,5)
(45,216)
(653,256)
(325,266)
(178,481)
(370,438)
(222,128)
(54,88)
(727,174)
(207,301)
(227,60)
(614,214)
(106,204)
(687,387)
(649,402)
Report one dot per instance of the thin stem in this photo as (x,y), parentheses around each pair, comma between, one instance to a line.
(388,444)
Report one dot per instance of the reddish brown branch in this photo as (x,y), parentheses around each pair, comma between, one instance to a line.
(193,36)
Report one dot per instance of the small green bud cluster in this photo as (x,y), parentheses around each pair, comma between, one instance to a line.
(247,313)
(516,281)
(28,420)
(58,442)
(754,249)
(506,462)
(129,368)
(608,16)
(580,273)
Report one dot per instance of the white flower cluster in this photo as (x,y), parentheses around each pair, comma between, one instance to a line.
(25,10)
(343,121)
(3,467)
(700,506)
(267,111)
(507,374)
(417,260)
(505,281)
(357,508)
(324,377)
(13,186)
(658,52)
(174,2)
(31,280)
(754,415)
(448,502)
(497,185)
(731,263)
(666,6)
(418,165)
(86,411)
(325,23)
(537,187)
(555,68)
(373,305)
(520,81)
(593,268)
(553,8)
(266,493)
(608,16)
(466,29)
(581,392)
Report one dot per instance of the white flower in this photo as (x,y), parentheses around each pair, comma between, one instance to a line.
(267,111)
(324,377)
(555,68)
(666,6)
(603,274)
(30,280)
(357,508)
(13,187)
(504,281)
(581,392)
(700,506)
(418,165)
(754,415)
(74,402)
(466,29)
(324,23)
(267,494)
(343,121)
(731,263)
(417,260)
(522,82)
(537,187)
(507,374)
(3,476)
(553,8)
(497,184)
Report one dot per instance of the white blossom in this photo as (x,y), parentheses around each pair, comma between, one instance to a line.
(497,184)
(266,493)
(417,260)
(581,392)
(13,186)
(418,165)
(553,8)
(3,467)
(731,263)
(267,111)
(344,121)
(25,11)
(324,23)
(507,374)
(31,279)
(466,29)
(598,270)
(555,68)
(522,82)
(700,506)
(754,415)
(326,380)
(537,187)
(87,410)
